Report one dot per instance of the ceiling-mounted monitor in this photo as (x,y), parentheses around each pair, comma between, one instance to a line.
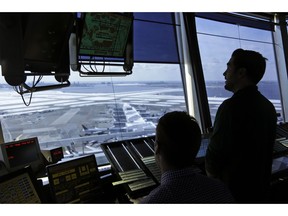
(105,39)
(35,44)
(105,34)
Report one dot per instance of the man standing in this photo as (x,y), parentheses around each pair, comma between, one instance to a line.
(241,146)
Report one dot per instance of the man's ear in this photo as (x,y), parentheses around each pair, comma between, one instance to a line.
(157,148)
(242,72)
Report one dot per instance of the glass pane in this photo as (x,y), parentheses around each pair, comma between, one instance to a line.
(216,50)
(216,28)
(255,34)
(94,110)
(154,17)
(154,42)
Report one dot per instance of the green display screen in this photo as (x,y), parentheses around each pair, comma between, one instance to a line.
(105,34)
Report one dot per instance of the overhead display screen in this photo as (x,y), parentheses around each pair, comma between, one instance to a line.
(105,34)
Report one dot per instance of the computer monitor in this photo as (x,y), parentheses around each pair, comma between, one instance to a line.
(21,153)
(105,34)
(103,39)
(35,44)
(75,181)
(203,147)
(19,187)
(53,154)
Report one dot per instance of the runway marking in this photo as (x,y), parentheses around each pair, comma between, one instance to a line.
(65,118)
(38,130)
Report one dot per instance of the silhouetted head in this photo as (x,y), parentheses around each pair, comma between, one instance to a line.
(178,138)
(245,67)
(254,63)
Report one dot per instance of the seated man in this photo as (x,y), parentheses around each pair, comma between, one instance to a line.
(178,138)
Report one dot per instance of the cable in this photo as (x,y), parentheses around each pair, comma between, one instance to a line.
(20,91)
(85,69)
(104,64)
(95,72)
(91,65)
(116,107)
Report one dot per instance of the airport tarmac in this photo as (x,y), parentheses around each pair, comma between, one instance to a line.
(56,117)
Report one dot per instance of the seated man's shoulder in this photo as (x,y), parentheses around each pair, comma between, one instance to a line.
(161,194)
(191,189)
(209,185)
(207,181)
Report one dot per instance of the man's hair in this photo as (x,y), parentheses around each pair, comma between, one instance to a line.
(254,63)
(182,138)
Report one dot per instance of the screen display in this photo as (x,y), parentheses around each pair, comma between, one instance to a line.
(203,147)
(74,181)
(57,154)
(105,34)
(22,152)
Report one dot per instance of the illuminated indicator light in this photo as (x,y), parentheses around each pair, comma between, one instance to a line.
(56,181)
(82,185)
(84,173)
(75,201)
(84,192)
(83,168)
(68,178)
(61,192)
(66,172)
(55,175)
(57,152)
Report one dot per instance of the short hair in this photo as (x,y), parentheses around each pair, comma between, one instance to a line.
(253,61)
(180,138)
